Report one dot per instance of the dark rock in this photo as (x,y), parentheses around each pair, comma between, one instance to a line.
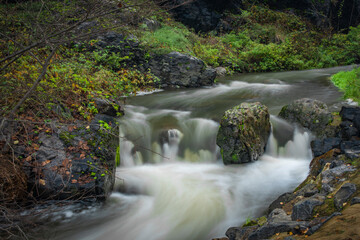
(281,200)
(289,238)
(355,200)
(320,223)
(349,113)
(336,163)
(201,15)
(351,149)
(320,147)
(128,48)
(308,190)
(344,194)
(74,164)
(311,114)
(278,215)
(240,233)
(243,133)
(270,229)
(303,209)
(348,130)
(181,70)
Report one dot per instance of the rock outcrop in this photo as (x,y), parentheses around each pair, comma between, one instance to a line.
(180,70)
(243,133)
(76,161)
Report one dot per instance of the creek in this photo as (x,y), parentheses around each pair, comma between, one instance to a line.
(172,183)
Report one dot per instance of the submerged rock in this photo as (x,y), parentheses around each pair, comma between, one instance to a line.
(311,114)
(243,133)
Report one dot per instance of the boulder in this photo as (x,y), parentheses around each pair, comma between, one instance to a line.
(75,161)
(344,194)
(243,133)
(303,210)
(309,113)
(320,147)
(349,113)
(109,107)
(180,70)
(220,71)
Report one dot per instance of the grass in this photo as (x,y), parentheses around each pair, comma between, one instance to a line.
(349,83)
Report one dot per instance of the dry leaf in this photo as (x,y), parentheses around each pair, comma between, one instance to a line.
(82,155)
(28,159)
(73,181)
(42,182)
(45,162)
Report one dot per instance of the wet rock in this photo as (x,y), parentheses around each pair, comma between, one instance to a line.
(344,194)
(303,209)
(349,113)
(278,215)
(311,114)
(320,147)
(281,200)
(243,133)
(270,229)
(180,70)
(355,200)
(351,149)
(240,233)
(348,130)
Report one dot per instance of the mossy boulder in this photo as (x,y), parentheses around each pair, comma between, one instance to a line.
(311,114)
(243,133)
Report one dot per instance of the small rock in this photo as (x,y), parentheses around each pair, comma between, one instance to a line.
(220,71)
(278,215)
(329,175)
(151,24)
(355,200)
(240,233)
(321,222)
(303,210)
(344,194)
(281,200)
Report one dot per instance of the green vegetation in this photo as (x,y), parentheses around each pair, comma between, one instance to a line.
(262,40)
(349,83)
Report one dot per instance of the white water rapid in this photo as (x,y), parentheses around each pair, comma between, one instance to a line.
(172,184)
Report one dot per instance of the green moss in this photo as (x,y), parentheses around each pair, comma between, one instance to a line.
(235,157)
(66,137)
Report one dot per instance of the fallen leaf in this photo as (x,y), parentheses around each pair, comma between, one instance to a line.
(73,181)
(82,156)
(28,159)
(45,162)
(42,182)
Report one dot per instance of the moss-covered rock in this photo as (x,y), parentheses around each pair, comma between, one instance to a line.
(311,114)
(243,133)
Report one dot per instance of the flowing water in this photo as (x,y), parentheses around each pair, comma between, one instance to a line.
(172,184)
